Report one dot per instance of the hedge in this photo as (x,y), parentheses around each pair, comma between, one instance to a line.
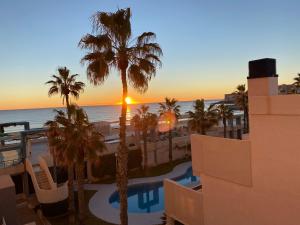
(106,165)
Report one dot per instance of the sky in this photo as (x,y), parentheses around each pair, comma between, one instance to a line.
(206,45)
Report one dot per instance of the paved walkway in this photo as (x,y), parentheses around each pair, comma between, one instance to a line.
(100,207)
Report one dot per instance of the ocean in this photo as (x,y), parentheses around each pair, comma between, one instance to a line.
(110,113)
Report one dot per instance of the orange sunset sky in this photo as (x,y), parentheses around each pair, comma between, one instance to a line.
(206,48)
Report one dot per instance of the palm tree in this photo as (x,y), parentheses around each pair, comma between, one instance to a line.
(142,122)
(136,59)
(242,102)
(296,84)
(170,111)
(202,119)
(75,139)
(225,113)
(153,122)
(66,85)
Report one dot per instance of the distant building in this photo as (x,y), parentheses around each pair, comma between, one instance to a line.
(285,89)
(230,97)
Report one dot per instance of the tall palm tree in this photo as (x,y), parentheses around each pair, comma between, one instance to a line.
(202,119)
(242,102)
(74,138)
(143,121)
(170,110)
(225,113)
(296,84)
(112,46)
(65,85)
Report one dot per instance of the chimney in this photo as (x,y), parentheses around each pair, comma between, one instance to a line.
(262,79)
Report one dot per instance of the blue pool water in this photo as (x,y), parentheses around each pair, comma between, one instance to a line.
(149,197)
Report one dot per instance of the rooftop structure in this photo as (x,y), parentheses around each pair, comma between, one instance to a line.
(250,181)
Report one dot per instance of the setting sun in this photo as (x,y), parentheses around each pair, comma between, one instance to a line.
(128,100)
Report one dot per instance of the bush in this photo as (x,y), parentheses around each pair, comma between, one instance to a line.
(106,165)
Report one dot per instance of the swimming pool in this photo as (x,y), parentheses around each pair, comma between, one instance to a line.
(149,197)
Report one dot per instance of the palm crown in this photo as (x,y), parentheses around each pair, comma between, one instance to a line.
(297,81)
(241,96)
(113,47)
(73,140)
(144,120)
(224,111)
(65,84)
(201,118)
(242,102)
(170,106)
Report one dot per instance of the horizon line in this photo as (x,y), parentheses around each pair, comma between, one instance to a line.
(137,103)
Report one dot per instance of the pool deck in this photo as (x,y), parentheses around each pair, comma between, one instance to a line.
(100,207)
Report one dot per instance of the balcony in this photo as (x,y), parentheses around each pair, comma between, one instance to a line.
(183,204)
(222,158)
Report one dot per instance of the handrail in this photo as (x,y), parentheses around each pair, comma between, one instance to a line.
(10,147)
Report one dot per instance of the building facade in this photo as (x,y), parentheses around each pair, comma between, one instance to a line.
(254,181)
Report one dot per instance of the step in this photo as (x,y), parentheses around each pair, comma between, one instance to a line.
(42,180)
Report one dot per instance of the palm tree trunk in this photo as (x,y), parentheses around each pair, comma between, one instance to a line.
(80,182)
(68,107)
(225,127)
(54,170)
(122,157)
(155,147)
(145,152)
(170,146)
(70,177)
(71,193)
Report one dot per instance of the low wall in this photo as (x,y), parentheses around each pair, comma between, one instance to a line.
(183,204)
(222,158)
(276,105)
(8,200)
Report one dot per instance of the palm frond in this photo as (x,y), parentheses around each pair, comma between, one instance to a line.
(145,38)
(138,79)
(100,42)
